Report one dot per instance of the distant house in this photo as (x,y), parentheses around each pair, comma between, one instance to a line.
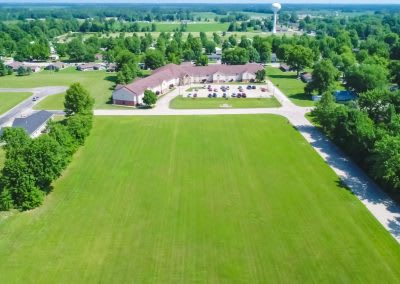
(34,68)
(34,124)
(274,58)
(284,67)
(55,66)
(306,77)
(16,65)
(344,96)
(98,56)
(214,57)
(91,67)
(111,67)
(54,57)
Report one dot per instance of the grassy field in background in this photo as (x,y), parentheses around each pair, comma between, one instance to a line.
(191,27)
(98,83)
(203,103)
(208,199)
(292,87)
(10,100)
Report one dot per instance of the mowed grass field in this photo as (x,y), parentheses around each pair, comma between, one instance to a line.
(204,103)
(98,83)
(292,87)
(10,100)
(207,199)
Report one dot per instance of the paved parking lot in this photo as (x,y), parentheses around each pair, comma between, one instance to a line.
(202,91)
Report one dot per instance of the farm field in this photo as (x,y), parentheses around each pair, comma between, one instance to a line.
(99,83)
(204,103)
(292,87)
(10,100)
(213,201)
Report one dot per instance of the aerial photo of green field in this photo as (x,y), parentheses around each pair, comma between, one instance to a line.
(197,199)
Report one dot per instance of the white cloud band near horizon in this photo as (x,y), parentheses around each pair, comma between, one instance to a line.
(331,2)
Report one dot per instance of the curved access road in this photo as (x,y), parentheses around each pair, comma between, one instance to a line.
(385,210)
(27,105)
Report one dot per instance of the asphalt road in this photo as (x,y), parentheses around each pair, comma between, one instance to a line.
(26,106)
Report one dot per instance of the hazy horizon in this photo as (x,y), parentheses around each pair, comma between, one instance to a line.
(332,2)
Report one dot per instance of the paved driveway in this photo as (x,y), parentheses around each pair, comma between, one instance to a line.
(26,106)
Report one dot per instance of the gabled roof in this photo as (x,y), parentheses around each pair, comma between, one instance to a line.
(173,71)
(15,64)
(31,123)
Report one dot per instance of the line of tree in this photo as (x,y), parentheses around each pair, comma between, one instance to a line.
(32,165)
(368,130)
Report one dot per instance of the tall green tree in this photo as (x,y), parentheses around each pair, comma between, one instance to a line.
(235,56)
(154,59)
(324,77)
(78,100)
(300,57)
(366,77)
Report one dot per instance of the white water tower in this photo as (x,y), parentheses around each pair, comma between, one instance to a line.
(275,8)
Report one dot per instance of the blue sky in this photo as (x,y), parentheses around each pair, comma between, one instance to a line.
(209,1)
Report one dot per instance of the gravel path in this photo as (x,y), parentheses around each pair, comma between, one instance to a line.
(385,210)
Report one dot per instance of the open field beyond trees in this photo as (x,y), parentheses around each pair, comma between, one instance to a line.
(191,27)
(98,83)
(10,100)
(214,200)
(204,103)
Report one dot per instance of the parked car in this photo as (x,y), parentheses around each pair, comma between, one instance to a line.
(253,87)
(210,95)
(263,89)
(215,95)
(248,87)
(233,95)
(244,95)
(224,95)
(189,95)
(195,96)
(215,90)
(35,98)
(239,95)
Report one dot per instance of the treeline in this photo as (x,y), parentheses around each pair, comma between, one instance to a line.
(368,130)
(31,165)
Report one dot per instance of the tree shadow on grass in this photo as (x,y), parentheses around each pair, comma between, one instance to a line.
(301,97)
(283,76)
(111,78)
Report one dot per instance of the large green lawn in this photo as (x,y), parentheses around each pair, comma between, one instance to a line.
(99,83)
(292,87)
(10,100)
(206,199)
(201,103)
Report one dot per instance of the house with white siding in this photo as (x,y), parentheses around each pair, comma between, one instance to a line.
(171,75)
